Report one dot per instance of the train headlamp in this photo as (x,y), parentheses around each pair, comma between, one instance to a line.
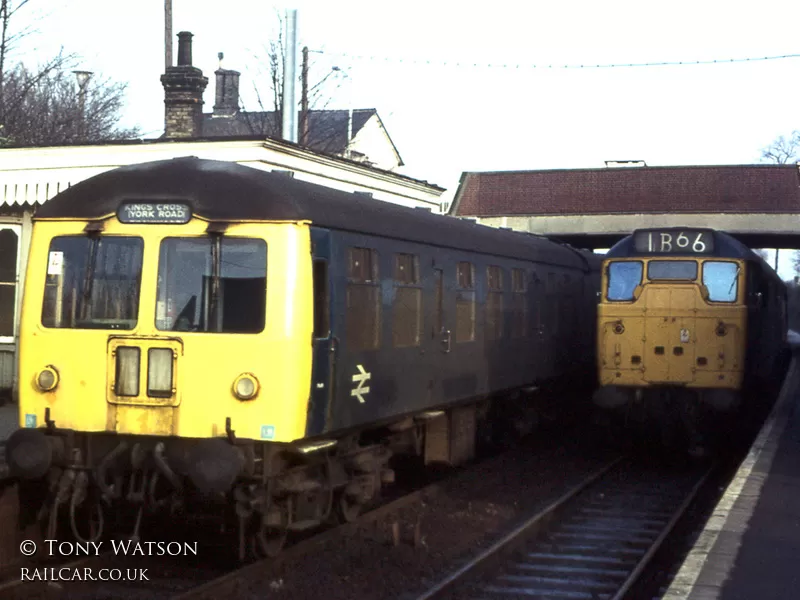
(245,387)
(47,379)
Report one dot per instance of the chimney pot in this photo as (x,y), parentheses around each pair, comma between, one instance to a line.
(183,94)
(184,49)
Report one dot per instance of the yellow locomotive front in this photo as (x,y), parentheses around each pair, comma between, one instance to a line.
(672,319)
(152,323)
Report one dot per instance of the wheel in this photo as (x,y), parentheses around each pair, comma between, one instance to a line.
(347,508)
(268,542)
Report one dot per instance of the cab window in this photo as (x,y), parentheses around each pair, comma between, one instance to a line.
(212,285)
(672,269)
(623,277)
(722,280)
(92,282)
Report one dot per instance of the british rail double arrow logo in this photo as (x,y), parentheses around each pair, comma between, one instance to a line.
(361,378)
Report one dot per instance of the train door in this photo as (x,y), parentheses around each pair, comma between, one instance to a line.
(324,341)
(459,367)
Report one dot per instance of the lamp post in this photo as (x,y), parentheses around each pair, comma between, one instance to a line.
(349,111)
(83,80)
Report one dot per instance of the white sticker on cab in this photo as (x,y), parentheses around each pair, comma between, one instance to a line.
(55,263)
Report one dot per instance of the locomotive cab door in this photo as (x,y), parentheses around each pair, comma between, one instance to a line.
(324,340)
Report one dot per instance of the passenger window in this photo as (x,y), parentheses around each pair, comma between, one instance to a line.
(465,302)
(538,304)
(552,319)
(494,303)
(722,280)
(363,307)
(623,277)
(438,321)
(519,304)
(407,307)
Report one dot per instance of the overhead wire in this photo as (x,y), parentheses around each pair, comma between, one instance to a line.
(502,65)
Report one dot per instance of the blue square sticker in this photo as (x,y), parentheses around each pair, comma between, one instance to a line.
(30,420)
(267,432)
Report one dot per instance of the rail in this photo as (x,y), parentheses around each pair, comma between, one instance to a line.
(593,542)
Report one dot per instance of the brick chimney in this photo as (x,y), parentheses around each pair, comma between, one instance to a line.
(227,93)
(183,94)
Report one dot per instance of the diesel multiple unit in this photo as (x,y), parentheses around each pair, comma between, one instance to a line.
(194,329)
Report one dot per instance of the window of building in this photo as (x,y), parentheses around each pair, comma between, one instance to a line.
(465,302)
(9,249)
(363,309)
(494,302)
(407,306)
(519,304)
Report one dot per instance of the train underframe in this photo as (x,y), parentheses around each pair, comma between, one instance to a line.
(673,418)
(264,491)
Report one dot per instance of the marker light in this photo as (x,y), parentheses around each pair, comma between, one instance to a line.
(47,379)
(245,387)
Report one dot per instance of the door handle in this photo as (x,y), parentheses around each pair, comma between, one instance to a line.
(446,340)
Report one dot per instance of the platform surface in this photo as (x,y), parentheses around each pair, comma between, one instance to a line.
(750,547)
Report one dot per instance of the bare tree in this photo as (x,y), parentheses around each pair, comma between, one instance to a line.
(268,88)
(47,109)
(782,150)
(41,105)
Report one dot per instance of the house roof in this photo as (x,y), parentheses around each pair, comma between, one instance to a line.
(327,129)
(689,189)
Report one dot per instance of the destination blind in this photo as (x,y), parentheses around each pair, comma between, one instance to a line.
(154,213)
(674,241)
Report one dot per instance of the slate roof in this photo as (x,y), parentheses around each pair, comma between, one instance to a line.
(327,129)
(689,189)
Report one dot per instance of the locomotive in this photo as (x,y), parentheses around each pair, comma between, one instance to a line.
(199,333)
(689,321)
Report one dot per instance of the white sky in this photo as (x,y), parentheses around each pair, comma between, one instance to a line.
(449,119)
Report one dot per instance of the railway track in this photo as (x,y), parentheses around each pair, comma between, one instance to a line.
(592,543)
